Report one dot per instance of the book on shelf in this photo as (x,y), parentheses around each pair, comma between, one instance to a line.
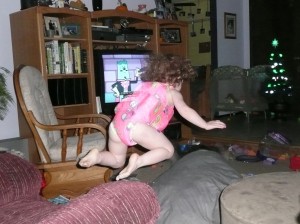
(68,58)
(80,90)
(54,56)
(65,58)
(84,65)
(62,59)
(68,91)
(76,58)
(49,56)
(55,91)
(98,105)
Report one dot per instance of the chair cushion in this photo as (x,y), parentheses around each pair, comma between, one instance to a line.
(36,97)
(94,140)
(18,179)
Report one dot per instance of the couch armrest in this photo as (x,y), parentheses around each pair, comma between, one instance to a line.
(18,179)
(115,202)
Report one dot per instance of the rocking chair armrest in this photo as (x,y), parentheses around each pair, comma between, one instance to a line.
(61,127)
(84,116)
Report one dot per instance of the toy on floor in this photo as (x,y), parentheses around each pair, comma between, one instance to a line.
(230,98)
(295,163)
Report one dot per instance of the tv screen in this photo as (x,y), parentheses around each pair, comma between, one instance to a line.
(117,75)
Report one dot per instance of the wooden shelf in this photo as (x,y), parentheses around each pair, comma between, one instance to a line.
(107,42)
(63,76)
(28,35)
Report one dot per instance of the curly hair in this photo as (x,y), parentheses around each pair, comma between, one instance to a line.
(170,69)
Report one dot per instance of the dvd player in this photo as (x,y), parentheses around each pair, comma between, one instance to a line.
(104,33)
(132,30)
(133,37)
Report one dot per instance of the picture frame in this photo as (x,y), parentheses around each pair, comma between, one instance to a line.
(160,9)
(230,25)
(170,35)
(52,26)
(170,12)
(204,47)
(70,30)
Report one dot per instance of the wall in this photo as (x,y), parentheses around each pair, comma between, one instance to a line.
(9,126)
(197,58)
(234,51)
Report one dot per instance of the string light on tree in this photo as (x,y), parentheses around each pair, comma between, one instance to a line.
(279,84)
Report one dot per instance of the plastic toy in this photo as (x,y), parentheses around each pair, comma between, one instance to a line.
(295,163)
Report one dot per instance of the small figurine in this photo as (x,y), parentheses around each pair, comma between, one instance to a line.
(295,163)
(78,4)
(230,98)
(121,6)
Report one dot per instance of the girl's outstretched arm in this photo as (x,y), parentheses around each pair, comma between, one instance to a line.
(191,115)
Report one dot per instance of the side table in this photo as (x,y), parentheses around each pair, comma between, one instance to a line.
(267,198)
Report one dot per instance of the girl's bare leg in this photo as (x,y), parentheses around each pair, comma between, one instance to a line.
(160,148)
(114,158)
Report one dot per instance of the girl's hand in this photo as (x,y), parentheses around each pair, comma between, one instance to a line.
(215,124)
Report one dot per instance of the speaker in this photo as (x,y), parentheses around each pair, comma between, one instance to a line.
(97,5)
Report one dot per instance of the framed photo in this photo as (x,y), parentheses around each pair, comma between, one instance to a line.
(230,25)
(170,12)
(204,47)
(52,26)
(170,35)
(160,9)
(70,30)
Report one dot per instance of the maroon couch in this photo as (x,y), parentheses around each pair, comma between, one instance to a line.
(115,202)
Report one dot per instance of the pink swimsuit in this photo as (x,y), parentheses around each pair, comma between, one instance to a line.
(148,104)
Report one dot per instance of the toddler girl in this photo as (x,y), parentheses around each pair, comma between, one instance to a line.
(141,117)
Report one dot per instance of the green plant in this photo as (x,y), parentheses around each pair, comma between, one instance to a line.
(5,96)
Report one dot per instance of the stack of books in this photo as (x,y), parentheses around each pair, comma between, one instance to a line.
(65,58)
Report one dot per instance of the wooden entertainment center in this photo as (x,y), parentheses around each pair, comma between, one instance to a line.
(29,40)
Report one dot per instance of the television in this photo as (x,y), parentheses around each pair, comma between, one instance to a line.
(117,75)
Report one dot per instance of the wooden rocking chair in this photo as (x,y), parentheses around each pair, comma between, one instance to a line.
(57,148)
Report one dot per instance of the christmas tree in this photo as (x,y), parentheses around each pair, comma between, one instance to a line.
(278,86)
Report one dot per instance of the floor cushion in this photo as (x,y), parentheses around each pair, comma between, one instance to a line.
(189,191)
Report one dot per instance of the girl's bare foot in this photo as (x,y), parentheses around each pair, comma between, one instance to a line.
(90,159)
(131,167)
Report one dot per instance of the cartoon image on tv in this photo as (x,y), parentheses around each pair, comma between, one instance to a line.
(122,87)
